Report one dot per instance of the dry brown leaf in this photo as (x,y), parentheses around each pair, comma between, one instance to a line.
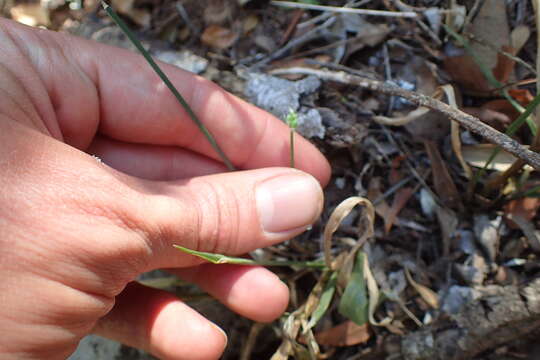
(505,65)
(337,216)
(249,23)
(218,37)
(523,96)
(126,7)
(491,27)
(344,334)
(464,71)
(448,222)
(32,14)
(444,185)
(374,192)
(493,118)
(429,296)
(400,199)
(502,106)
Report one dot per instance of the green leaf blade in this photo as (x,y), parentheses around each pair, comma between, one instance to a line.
(354,303)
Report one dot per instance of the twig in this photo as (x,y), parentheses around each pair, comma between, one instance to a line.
(469,122)
(326,15)
(289,4)
(310,35)
(472,13)
(184,15)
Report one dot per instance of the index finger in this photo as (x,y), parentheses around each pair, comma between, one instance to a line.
(135,106)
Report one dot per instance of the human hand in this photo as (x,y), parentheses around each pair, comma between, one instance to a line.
(75,233)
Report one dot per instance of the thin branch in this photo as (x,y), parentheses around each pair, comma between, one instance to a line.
(338,9)
(469,122)
(310,35)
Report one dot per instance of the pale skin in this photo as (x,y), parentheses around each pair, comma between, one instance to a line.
(75,232)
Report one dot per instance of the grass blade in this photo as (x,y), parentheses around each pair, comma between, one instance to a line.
(224,259)
(165,79)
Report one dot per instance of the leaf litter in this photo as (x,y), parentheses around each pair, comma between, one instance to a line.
(449,217)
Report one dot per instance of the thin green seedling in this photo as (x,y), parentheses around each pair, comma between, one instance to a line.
(292,121)
(125,29)
(224,259)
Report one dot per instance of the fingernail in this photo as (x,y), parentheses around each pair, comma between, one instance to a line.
(288,202)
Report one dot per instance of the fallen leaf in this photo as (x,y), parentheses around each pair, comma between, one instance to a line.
(491,27)
(249,23)
(344,334)
(429,296)
(444,185)
(341,211)
(464,71)
(395,170)
(31,14)
(523,96)
(505,65)
(448,222)
(493,118)
(400,199)
(218,37)
(126,7)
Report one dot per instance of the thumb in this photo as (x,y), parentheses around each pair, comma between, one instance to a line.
(231,213)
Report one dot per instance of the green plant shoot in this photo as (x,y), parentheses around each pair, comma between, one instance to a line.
(125,29)
(292,121)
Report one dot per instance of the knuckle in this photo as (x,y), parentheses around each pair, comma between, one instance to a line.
(210,217)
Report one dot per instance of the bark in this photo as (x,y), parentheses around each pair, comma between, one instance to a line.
(502,314)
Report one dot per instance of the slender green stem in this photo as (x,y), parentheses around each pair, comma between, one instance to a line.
(169,84)
(292,121)
(291,140)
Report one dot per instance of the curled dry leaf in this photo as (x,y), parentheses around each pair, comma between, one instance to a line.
(218,37)
(337,216)
(402,120)
(429,296)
